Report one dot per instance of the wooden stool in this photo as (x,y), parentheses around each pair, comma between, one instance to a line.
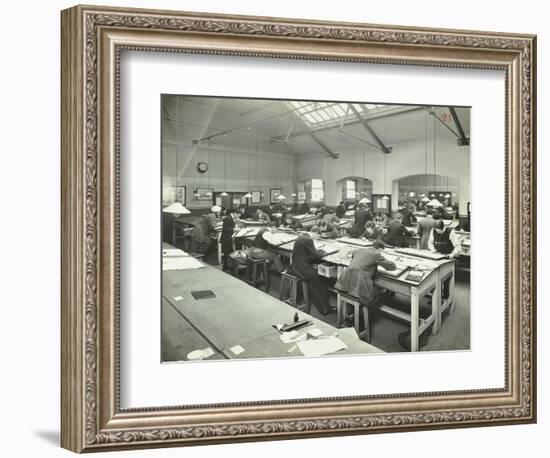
(257,272)
(237,267)
(293,283)
(343,301)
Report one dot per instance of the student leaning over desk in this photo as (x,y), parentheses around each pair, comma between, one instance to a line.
(444,240)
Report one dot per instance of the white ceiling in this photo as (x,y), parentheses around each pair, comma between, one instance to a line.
(271,126)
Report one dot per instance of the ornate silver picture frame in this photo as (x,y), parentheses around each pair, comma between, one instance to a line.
(93,39)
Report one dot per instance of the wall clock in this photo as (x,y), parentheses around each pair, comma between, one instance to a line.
(202,167)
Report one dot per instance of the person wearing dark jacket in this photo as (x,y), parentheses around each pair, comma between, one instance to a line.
(358,279)
(226,239)
(373,231)
(408,216)
(362,215)
(341,210)
(397,233)
(304,254)
(203,234)
(304,208)
(260,250)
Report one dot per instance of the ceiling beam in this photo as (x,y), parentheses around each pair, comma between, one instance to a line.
(463,140)
(347,122)
(310,133)
(366,125)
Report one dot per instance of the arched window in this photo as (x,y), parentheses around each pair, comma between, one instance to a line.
(317,190)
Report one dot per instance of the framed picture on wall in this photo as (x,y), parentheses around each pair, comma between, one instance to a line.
(204,194)
(274,193)
(129,296)
(181,194)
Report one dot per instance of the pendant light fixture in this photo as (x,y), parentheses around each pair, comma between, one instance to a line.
(248,195)
(177,208)
(385,197)
(224,194)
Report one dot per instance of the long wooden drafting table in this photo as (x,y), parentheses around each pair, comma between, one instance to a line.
(238,315)
(435,274)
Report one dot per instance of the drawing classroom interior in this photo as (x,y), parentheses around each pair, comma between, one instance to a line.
(295,228)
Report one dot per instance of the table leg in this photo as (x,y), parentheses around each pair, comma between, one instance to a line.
(437,303)
(414,319)
(436,308)
(219,239)
(173,234)
(357,322)
(452,291)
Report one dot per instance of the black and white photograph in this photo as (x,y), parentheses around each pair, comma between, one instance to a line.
(313,228)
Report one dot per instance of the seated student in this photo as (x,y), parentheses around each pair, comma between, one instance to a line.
(304,208)
(397,233)
(425,226)
(341,210)
(304,254)
(330,217)
(326,230)
(373,231)
(408,216)
(289,222)
(260,249)
(381,219)
(262,216)
(226,239)
(358,279)
(444,240)
(202,240)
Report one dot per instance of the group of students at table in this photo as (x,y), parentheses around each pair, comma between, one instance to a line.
(358,279)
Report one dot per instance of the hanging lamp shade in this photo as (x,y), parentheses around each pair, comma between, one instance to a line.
(435,203)
(364,200)
(447,196)
(224,194)
(248,196)
(425,199)
(216,208)
(293,194)
(386,198)
(281,197)
(412,194)
(432,195)
(176,209)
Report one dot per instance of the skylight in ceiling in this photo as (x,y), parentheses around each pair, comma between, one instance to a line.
(325,114)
